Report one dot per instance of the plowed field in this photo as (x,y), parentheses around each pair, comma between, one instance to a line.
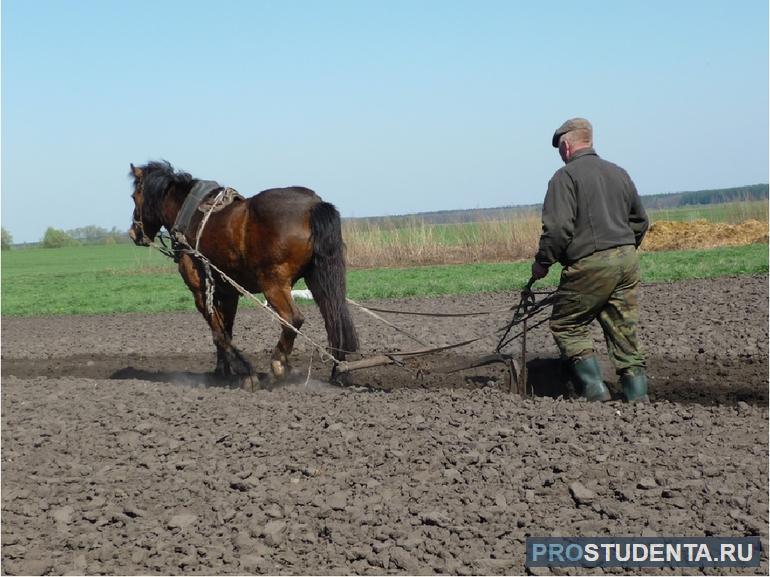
(121,454)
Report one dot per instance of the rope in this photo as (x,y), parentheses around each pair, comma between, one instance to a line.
(382,320)
(421,314)
(526,329)
(525,310)
(206,264)
(202,225)
(209,287)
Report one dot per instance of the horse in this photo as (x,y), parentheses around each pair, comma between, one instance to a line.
(265,243)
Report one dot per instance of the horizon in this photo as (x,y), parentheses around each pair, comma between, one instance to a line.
(383,108)
(453,210)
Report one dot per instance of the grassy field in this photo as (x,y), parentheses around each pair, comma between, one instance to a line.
(125,278)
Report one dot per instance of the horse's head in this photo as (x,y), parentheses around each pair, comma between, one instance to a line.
(144,226)
(158,193)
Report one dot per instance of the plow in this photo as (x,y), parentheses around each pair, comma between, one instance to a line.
(531,304)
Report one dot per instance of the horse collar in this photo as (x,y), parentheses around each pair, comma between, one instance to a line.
(200,190)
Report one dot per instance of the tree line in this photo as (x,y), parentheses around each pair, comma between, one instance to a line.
(650,202)
(696,197)
(85,235)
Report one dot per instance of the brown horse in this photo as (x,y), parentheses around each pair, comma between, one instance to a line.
(265,243)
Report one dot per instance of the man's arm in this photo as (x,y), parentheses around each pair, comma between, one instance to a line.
(559,210)
(637,216)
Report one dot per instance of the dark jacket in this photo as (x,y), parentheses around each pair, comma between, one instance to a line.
(591,205)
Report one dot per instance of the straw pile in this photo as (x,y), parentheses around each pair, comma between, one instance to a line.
(669,235)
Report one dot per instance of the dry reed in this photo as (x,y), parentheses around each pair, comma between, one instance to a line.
(404,242)
(413,242)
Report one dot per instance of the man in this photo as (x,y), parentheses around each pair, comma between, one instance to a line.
(593,222)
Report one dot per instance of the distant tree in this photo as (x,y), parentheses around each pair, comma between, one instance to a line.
(119,236)
(55,238)
(93,234)
(7,240)
(711,196)
(90,234)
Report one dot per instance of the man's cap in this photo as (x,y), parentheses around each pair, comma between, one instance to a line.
(569,126)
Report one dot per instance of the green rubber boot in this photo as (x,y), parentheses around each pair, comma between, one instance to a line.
(634,383)
(589,375)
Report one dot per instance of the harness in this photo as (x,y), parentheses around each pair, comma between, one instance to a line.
(196,200)
(198,192)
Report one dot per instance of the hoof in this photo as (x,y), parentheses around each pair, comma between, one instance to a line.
(278,368)
(250,384)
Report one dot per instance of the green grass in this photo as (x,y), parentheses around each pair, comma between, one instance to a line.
(729,212)
(115,259)
(459,279)
(124,278)
(90,279)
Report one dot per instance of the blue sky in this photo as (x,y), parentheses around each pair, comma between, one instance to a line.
(382,107)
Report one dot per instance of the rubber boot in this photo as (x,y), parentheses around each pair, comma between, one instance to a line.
(589,375)
(634,383)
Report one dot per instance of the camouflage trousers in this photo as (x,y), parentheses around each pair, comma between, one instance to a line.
(601,286)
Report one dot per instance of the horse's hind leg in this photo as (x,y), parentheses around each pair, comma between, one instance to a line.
(279,298)
(220,319)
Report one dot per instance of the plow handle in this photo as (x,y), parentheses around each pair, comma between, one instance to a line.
(528,288)
(527,298)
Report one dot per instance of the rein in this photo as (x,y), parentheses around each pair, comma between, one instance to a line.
(439,315)
(163,248)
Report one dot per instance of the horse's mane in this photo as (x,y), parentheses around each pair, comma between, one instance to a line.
(157,177)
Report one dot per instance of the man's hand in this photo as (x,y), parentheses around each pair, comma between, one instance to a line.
(538,270)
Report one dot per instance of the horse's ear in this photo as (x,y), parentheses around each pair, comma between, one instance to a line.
(137,172)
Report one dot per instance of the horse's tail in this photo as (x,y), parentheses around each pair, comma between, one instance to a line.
(326,279)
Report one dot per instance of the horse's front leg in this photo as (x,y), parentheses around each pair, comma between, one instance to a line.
(279,298)
(230,361)
(220,318)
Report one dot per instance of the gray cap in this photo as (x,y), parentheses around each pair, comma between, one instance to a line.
(569,126)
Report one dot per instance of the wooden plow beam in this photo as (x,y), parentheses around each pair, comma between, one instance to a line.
(515,380)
